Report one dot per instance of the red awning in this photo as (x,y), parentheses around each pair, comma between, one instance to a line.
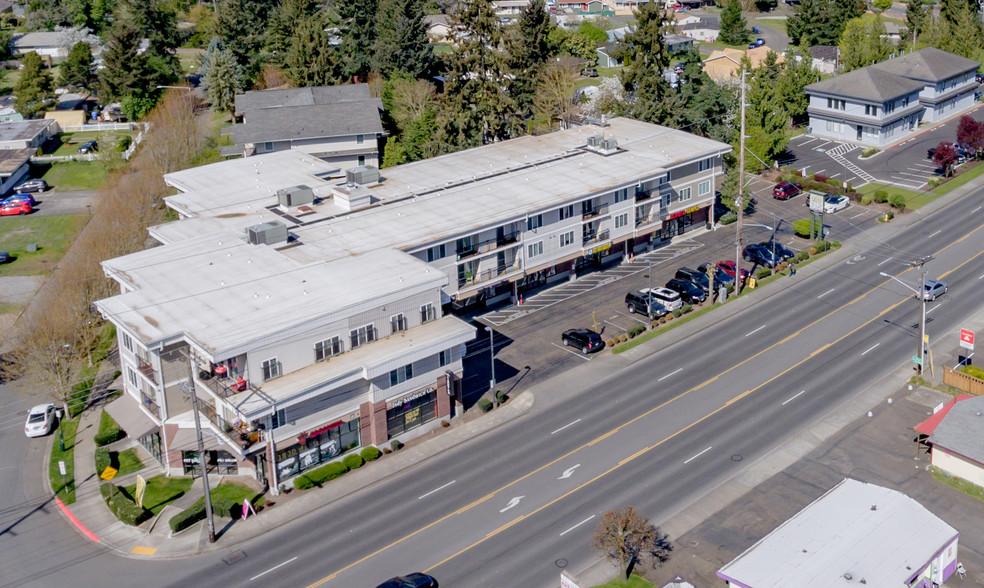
(929,425)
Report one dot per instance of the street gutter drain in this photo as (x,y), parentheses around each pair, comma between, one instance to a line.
(561,563)
(234,557)
(736,457)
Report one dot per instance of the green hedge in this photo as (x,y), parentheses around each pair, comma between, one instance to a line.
(109,431)
(484,404)
(973,370)
(636,330)
(125,509)
(188,517)
(103,460)
(353,462)
(370,453)
(320,475)
(728,218)
(763,273)
(802,226)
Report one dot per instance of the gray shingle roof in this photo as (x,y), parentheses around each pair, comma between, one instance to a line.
(24,130)
(962,429)
(866,84)
(303,122)
(928,65)
(301,96)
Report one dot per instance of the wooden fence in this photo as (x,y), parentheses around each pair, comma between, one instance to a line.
(962,381)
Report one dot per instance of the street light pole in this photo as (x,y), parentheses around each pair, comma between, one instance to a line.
(190,387)
(492,358)
(740,200)
(920,294)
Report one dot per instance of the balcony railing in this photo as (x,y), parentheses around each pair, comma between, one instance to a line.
(647,220)
(593,237)
(597,211)
(641,195)
(489,245)
(150,404)
(485,276)
(241,439)
(225,387)
(146,369)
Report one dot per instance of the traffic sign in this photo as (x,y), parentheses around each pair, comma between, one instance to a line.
(967,339)
(918,360)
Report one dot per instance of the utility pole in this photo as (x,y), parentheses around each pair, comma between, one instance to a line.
(921,264)
(491,358)
(740,200)
(201,449)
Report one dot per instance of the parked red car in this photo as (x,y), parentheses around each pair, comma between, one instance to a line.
(728,267)
(786,190)
(16,207)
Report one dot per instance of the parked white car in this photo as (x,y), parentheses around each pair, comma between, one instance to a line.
(40,420)
(835,203)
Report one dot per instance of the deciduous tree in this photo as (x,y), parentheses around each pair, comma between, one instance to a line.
(970,132)
(945,156)
(554,99)
(627,538)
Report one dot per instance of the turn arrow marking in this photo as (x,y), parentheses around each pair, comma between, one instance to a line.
(512,503)
(568,472)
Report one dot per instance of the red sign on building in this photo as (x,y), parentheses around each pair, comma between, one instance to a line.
(967,339)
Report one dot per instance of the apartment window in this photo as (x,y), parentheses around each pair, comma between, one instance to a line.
(127,342)
(684,194)
(534,222)
(327,348)
(835,104)
(132,376)
(268,146)
(870,110)
(566,238)
(271,369)
(278,419)
(663,180)
(427,313)
(567,212)
(401,374)
(622,195)
(362,160)
(444,357)
(463,245)
(360,139)
(621,220)
(888,107)
(705,164)
(534,249)
(703,188)
(436,252)
(363,335)
(833,127)
(398,322)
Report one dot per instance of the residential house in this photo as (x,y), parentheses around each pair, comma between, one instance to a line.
(856,533)
(509,8)
(884,102)
(15,165)
(956,438)
(725,64)
(700,31)
(825,58)
(606,56)
(625,7)
(311,314)
(677,43)
(55,45)
(438,28)
(339,124)
(26,134)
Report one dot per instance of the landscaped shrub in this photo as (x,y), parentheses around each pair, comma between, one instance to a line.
(187,517)
(897,201)
(881,196)
(677,312)
(763,273)
(396,445)
(103,460)
(823,245)
(889,215)
(501,396)
(109,431)
(866,199)
(803,255)
(623,338)
(326,472)
(353,462)
(728,218)
(834,183)
(484,404)
(223,507)
(303,483)
(124,143)
(973,370)
(869,152)
(370,453)
(820,178)
(636,331)
(612,342)
(125,509)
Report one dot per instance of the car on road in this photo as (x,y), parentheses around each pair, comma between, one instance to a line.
(32,185)
(688,292)
(930,153)
(12,208)
(88,147)
(40,419)
(760,255)
(728,267)
(696,277)
(642,303)
(584,339)
(668,298)
(781,250)
(934,289)
(414,580)
(834,203)
(756,43)
(20,198)
(786,190)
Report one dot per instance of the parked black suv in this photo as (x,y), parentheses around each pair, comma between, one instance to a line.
(760,255)
(697,278)
(689,293)
(642,303)
(781,250)
(584,339)
(721,277)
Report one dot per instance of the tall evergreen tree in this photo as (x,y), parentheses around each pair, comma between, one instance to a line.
(646,57)
(241,24)
(401,39)
(704,108)
(864,42)
(356,22)
(916,13)
(77,69)
(807,24)
(734,29)
(529,49)
(222,80)
(311,60)
(765,116)
(34,92)
(284,21)
(125,71)
(475,107)
(797,73)
(840,12)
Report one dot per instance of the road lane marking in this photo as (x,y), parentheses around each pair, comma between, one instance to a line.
(884,262)
(932,309)
(862,213)
(791,398)
(825,293)
(273,568)
(696,456)
(670,374)
(641,416)
(569,472)
(975,210)
(577,525)
(574,353)
(512,502)
(870,349)
(436,489)
(567,425)
(934,234)
(756,330)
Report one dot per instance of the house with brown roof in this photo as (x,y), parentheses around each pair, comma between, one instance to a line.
(726,63)
(956,438)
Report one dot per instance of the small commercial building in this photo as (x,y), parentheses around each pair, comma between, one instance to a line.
(956,438)
(856,534)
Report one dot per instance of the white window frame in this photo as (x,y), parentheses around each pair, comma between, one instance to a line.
(401,374)
(567,239)
(621,220)
(567,212)
(278,418)
(445,357)
(684,194)
(267,369)
(330,345)
(362,335)
(534,222)
(705,164)
(436,252)
(534,249)
(360,139)
(398,323)
(427,312)
(704,188)
(131,375)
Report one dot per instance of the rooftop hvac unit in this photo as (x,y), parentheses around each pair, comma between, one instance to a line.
(295,196)
(362,175)
(594,140)
(267,233)
(608,145)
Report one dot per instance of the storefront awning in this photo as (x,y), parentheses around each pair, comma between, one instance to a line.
(186,440)
(130,417)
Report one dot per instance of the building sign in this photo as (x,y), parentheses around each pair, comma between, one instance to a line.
(602,248)
(410,398)
(317,432)
(967,339)
(684,212)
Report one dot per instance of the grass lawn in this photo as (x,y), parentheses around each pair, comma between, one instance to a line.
(236,493)
(958,483)
(70,142)
(960,180)
(71,175)
(771,22)
(9,80)
(106,425)
(634,581)
(161,491)
(913,199)
(125,462)
(64,490)
(53,234)
(130,462)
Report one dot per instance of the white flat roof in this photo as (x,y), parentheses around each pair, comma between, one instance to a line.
(866,531)
(223,292)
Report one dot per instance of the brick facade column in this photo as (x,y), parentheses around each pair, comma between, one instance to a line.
(443,398)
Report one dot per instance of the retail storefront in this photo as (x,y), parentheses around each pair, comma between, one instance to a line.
(411,411)
(318,446)
(683,221)
(152,443)
(218,461)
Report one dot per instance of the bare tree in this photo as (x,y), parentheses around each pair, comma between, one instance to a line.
(410,99)
(554,99)
(627,538)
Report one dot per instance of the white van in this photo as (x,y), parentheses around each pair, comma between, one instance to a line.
(668,298)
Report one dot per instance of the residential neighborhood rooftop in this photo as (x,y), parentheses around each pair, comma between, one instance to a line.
(867,84)
(929,64)
(257,99)
(310,121)
(12,159)
(27,129)
(960,429)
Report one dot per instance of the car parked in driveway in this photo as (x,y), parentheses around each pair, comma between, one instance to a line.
(934,289)
(688,292)
(414,580)
(786,190)
(642,303)
(32,185)
(20,198)
(834,203)
(12,208)
(760,255)
(781,250)
(40,419)
(4,256)
(584,339)
(88,147)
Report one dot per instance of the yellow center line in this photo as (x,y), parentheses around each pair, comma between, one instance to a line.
(644,415)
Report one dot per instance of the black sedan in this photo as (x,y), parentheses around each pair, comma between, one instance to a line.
(584,339)
(760,255)
(414,580)
(688,292)
(781,250)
